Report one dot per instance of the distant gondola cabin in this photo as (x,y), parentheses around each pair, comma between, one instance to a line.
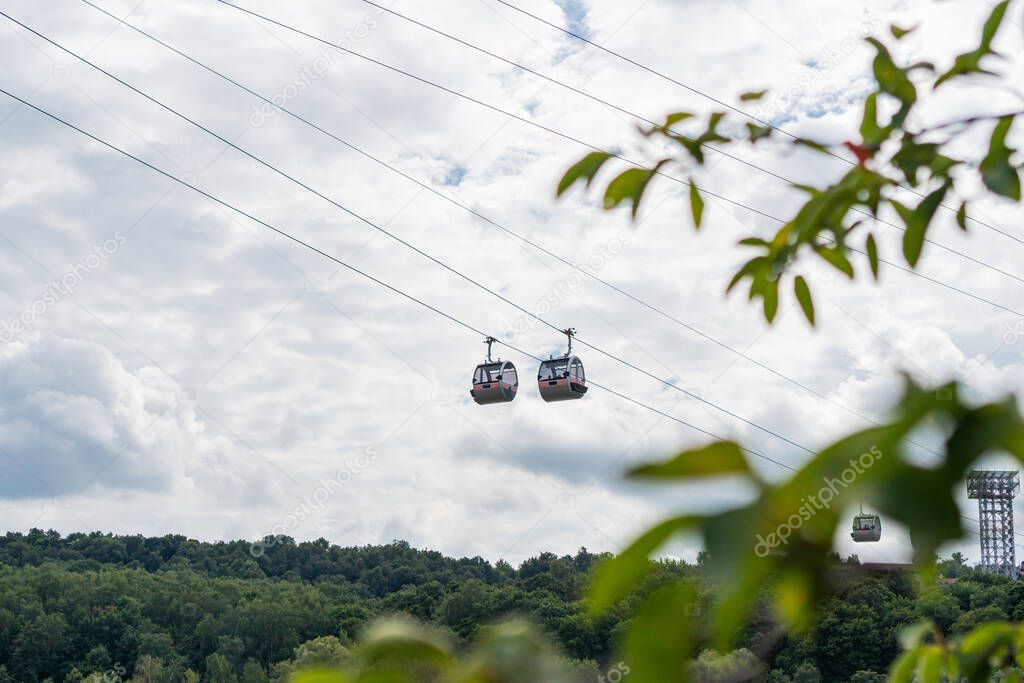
(866,529)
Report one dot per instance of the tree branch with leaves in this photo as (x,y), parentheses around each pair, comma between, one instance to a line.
(900,171)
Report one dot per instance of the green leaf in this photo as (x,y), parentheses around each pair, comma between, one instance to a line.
(918,222)
(659,639)
(319,676)
(871,133)
(630,186)
(398,639)
(913,636)
(619,575)
(748,269)
(970,62)
(903,670)
(912,156)
(757,132)
(892,79)
(992,24)
(929,668)
(803,295)
(769,292)
(837,257)
(997,172)
(898,33)
(809,189)
(717,459)
(585,169)
(980,644)
(961,216)
(905,212)
(812,144)
(753,96)
(691,146)
(696,204)
(941,165)
(673,119)
(872,249)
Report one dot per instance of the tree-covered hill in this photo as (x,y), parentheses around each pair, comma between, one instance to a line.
(86,603)
(85,607)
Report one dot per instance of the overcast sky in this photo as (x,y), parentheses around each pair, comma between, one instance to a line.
(209,377)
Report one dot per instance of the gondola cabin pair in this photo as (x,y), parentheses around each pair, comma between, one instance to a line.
(558,379)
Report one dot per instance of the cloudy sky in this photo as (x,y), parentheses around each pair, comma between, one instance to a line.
(189,371)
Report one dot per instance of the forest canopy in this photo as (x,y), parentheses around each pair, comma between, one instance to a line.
(89,606)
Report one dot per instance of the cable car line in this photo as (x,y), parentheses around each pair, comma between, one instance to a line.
(413,247)
(358,271)
(409,245)
(433,259)
(876,522)
(492,107)
(438,262)
(639,117)
(578,141)
(362,273)
(490,221)
(648,69)
(719,102)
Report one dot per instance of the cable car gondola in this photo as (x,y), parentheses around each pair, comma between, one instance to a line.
(494,381)
(563,378)
(866,528)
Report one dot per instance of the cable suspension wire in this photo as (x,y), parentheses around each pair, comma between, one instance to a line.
(583,143)
(622,158)
(487,105)
(358,271)
(525,240)
(408,245)
(474,212)
(640,117)
(364,274)
(414,248)
(380,282)
(732,108)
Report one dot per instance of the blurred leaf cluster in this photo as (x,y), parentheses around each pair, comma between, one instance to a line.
(398,650)
(784,536)
(992,652)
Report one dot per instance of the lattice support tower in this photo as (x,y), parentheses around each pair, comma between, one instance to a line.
(995,491)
